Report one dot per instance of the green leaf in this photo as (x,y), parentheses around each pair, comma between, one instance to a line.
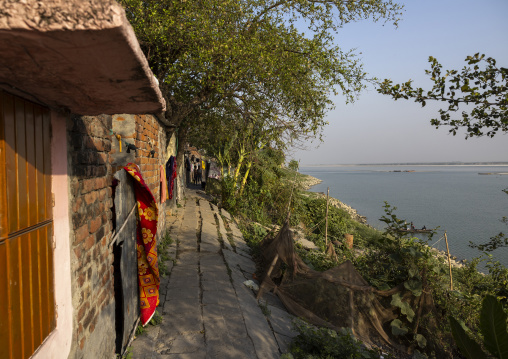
(405,308)
(493,327)
(415,286)
(468,347)
(413,270)
(398,328)
(420,339)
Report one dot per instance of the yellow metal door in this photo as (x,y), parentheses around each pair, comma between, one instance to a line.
(26,227)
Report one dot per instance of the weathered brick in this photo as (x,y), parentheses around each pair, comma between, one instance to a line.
(89,143)
(77,204)
(98,144)
(100,171)
(81,234)
(81,279)
(107,145)
(99,183)
(89,242)
(80,218)
(103,158)
(89,317)
(91,197)
(95,224)
(82,311)
(105,218)
(102,194)
(102,297)
(96,130)
(77,252)
(105,279)
(88,185)
(109,203)
(100,209)
(99,235)
(107,120)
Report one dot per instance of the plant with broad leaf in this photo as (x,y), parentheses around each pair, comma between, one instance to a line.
(492,327)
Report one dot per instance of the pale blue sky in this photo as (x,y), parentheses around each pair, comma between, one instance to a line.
(376,129)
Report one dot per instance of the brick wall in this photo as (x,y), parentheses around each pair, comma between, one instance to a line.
(94,158)
(90,180)
(147,134)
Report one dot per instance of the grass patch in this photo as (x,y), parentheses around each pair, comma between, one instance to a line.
(162,251)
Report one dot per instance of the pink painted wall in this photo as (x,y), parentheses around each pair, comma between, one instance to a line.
(58,344)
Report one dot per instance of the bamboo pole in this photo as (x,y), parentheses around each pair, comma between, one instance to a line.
(326,215)
(449,261)
(262,286)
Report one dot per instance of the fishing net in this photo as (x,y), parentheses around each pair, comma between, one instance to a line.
(339,297)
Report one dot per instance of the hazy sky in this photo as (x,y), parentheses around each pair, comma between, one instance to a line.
(376,129)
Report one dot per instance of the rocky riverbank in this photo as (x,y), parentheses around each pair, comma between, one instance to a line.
(308,181)
(352,212)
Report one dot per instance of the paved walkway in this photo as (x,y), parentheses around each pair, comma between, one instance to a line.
(207,310)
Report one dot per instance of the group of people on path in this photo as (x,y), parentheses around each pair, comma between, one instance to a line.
(196,171)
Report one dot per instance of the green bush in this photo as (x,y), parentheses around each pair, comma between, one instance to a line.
(322,343)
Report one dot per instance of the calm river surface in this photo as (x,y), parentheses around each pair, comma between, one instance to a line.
(467,205)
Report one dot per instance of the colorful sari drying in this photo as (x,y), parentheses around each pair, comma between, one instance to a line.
(148,269)
(171,175)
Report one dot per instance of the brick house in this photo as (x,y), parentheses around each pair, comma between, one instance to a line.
(72,79)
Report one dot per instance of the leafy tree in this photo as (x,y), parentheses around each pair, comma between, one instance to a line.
(485,89)
(206,51)
(293,165)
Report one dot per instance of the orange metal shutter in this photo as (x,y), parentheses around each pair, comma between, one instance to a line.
(26,227)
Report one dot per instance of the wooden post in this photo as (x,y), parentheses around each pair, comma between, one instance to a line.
(262,286)
(449,261)
(326,216)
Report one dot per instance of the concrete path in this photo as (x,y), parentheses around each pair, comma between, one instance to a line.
(207,310)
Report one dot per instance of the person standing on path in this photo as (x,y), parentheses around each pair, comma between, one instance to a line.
(198,171)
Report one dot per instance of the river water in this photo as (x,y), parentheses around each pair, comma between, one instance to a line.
(458,199)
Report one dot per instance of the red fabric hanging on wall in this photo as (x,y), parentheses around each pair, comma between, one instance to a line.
(148,268)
